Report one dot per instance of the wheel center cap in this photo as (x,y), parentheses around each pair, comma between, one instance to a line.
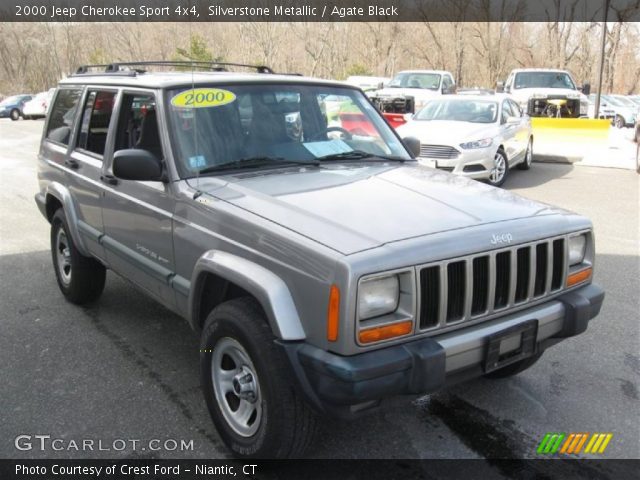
(244,386)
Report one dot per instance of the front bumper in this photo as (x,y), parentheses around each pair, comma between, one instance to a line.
(343,386)
(473,163)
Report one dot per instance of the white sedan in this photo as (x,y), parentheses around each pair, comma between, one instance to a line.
(37,107)
(480,137)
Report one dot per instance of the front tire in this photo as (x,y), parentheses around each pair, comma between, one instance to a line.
(500,169)
(81,279)
(15,114)
(249,386)
(618,121)
(528,157)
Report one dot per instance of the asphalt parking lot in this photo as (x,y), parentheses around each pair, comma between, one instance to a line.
(126,368)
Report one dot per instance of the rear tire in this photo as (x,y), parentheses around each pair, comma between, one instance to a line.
(618,121)
(237,351)
(81,279)
(528,157)
(514,368)
(15,114)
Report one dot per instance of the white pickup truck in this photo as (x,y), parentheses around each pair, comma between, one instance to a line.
(410,90)
(547,92)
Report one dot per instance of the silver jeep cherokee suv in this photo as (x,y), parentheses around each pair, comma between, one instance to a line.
(288,223)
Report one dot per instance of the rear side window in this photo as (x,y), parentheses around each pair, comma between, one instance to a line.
(61,115)
(95,121)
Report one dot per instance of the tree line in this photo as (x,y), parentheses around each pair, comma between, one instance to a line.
(34,56)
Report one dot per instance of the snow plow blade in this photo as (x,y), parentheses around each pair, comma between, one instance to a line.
(570,129)
(569,139)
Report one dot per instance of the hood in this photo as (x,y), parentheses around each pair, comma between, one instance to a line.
(523,94)
(351,208)
(446,132)
(420,93)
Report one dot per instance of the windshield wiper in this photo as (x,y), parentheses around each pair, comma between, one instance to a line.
(258,161)
(359,155)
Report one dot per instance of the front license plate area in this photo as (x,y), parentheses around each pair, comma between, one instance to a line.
(527,333)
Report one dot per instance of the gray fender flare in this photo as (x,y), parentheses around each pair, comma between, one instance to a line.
(269,289)
(63,195)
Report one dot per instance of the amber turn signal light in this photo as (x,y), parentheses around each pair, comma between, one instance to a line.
(378,334)
(333,314)
(579,277)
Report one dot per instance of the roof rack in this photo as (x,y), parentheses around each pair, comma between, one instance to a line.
(134,68)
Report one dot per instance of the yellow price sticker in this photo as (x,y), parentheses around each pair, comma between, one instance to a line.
(203,98)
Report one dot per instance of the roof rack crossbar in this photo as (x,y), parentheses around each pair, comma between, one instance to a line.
(214,66)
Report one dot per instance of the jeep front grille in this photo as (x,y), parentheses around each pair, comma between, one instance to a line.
(443,152)
(469,288)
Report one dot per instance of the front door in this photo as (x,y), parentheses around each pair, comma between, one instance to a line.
(138,215)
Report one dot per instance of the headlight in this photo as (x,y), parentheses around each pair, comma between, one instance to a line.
(378,296)
(484,143)
(577,246)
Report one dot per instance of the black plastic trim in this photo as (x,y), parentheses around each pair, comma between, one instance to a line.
(344,386)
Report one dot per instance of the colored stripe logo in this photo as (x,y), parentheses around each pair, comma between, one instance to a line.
(573,443)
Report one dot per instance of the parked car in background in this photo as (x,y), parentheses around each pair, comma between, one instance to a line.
(480,137)
(37,107)
(410,90)
(605,111)
(12,107)
(625,115)
(546,92)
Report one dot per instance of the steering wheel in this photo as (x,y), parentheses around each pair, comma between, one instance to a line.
(344,131)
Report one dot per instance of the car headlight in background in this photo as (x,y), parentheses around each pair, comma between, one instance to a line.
(378,296)
(577,247)
(484,143)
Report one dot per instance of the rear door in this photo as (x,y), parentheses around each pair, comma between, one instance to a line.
(138,215)
(84,163)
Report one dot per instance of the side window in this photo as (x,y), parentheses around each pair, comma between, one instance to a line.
(506,112)
(95,121)
(515,109)
(62,114)
(138,124)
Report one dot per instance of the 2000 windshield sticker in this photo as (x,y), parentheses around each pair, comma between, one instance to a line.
(203,98)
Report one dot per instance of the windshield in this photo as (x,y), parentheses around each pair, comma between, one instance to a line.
(625,101)
(543,80)
(612,100)
(473,111)
(11,100)
(255,125)
(429,81)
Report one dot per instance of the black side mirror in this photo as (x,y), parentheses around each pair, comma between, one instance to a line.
(413,145)
(137,164)
(586,88)
(499,87)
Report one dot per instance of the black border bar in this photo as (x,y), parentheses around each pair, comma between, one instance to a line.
(318,10)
